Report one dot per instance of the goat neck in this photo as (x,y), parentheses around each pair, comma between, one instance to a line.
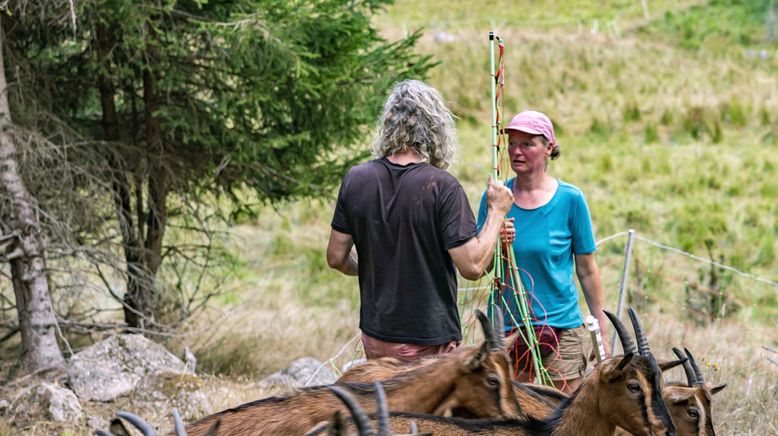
(458,379)
(475,379)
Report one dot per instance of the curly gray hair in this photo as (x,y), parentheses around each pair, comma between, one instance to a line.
(415,116)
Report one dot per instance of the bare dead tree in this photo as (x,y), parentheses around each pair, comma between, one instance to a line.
(25,251)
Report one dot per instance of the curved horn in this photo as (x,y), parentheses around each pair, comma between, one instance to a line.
(626,341)
(139,423)
(687,367)
(489,336)
(382,411)
(698,374)
(178,423)
(360,417)
(643,349)
(499,326)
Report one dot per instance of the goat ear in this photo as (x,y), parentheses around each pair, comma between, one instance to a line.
(337,426)
(669,364)
(117,428)
(212,430)
(510,341)
(612,370)
(718,388)
(477,359)
(678,394)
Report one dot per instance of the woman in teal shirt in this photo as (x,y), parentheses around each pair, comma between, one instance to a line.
(550,229)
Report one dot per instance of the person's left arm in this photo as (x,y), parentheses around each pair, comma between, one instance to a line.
(586,269)
(591,285)
(341,253)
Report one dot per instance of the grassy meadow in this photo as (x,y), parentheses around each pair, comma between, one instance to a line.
(668,124)
(668,121)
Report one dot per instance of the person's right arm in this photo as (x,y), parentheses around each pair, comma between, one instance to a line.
(341,254)
(474,256)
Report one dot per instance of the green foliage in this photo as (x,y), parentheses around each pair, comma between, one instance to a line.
(268,94)
(205,100)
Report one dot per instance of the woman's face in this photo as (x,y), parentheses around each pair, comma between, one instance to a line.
(527,152)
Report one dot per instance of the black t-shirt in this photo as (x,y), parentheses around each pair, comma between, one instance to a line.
(403,219)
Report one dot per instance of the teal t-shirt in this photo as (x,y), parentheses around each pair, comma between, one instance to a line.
(546,240)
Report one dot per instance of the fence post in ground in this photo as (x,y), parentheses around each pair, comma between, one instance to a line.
(623,285)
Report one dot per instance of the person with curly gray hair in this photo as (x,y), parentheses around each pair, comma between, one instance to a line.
(403,225)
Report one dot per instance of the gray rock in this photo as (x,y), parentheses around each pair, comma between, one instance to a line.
(145,373)
(114,366)
(166,390)
(97,422)
(302,372)
(45,401)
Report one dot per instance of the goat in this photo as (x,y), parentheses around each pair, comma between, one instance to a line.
(622,391)
(690,405)
(535,401)
(473,378)
(337,427)
(118,429)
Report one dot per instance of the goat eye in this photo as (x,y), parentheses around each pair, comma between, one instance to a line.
(493,382)
(634,387)
(694,413)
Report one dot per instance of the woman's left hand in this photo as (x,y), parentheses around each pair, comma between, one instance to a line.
(508,231)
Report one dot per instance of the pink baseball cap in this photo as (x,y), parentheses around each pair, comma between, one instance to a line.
(533,122)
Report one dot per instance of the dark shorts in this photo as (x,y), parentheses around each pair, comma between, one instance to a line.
(565,352)
(376,348)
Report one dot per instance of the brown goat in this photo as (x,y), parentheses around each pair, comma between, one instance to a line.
(473,378)
(690,405)
(621,391)
(337,426)
(118,429)
(535,401)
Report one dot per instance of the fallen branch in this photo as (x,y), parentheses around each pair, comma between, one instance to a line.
(80,327)
(9,335)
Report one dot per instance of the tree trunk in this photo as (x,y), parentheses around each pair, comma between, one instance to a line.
(133,310)
(156,219)
(142,296)
(28,268)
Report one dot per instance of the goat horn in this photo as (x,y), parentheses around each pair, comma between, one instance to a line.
(139,423)
(698,379)
(499,325)
(360,417)
(382,411)
(687,367)
(626,341)
(489,336)
(624,361)
(643,349)
(178,423)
